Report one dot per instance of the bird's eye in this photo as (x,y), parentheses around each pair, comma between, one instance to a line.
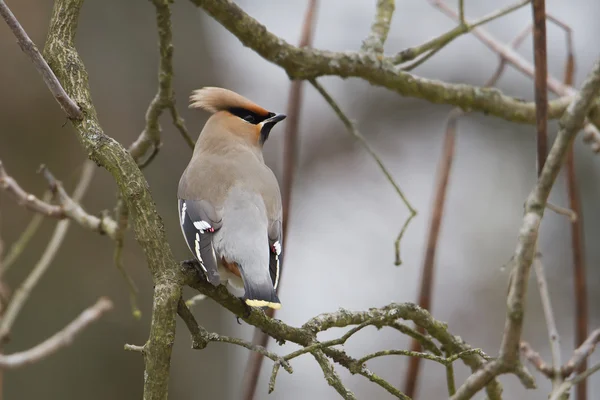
(249,118)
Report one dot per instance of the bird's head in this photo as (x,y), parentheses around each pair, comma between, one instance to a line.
(236,114)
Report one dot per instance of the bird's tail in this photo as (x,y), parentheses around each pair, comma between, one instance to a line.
(259,292)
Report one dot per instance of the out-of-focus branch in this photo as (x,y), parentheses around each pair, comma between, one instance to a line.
(570,123)
(68,207)
(304,63)
(536,359)
(591,133)
(577,236)
(69,106)
(541,80)
(290,153)
(59,340)
(564,388)
(22,293)
(581,354)
(351,128)
(553,336)
(16,249)
(164,98)
(428,269)
(380,27)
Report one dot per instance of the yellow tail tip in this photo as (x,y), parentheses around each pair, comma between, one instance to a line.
(263,303)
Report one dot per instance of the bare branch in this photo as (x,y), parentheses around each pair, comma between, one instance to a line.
(357,135)
(69,106)
(59,340)
(22,293)
(380,27)
(564,388)
(536,359)
(591,132)
(332,378)
(582,353)
(21,243)
(436,44)
(548,315)
(571,123)
(9,185)
(164,98)
(303,63)
(68,208)
(305,336)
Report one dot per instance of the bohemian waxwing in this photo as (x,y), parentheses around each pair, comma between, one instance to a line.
(229,200)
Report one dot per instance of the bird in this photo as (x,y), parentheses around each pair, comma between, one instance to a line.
(229,200)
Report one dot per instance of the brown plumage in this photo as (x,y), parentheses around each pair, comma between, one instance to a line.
(229,200)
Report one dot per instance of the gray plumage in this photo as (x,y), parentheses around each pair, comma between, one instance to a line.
(229,200)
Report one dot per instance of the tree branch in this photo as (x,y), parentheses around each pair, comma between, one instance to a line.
(380,27)
(68,208)
(164,98)
(59,340)
(30,49)
(62,56)
(306,335)
(303,63)
(570,124)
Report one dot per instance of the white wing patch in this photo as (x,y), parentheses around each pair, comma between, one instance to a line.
(277,247)
(183,209)
(197,249)
(202,226)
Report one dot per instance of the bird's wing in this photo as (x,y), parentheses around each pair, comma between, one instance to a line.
(199,221)
(275,247)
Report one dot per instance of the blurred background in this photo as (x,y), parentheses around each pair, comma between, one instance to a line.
(339,192)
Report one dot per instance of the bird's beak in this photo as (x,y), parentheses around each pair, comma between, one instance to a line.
(274,119)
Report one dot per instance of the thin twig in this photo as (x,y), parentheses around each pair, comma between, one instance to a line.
(564,388)
(536,359)
(290,155)
(441,41)
(351,127)
(380,26)
(548,315)
(581,354)
(59,340)
(591,132)
(164,98)
(69,106)
(22,293)
(68,207)
(16,249)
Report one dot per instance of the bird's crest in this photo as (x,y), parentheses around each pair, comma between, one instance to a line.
(214,99)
